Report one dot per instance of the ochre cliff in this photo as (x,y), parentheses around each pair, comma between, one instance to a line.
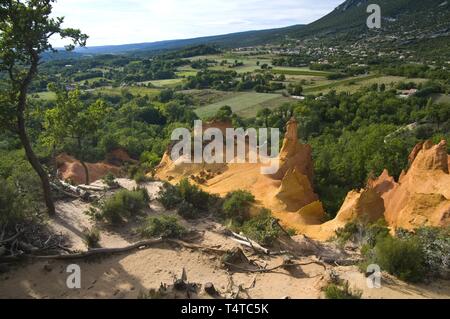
(422,195)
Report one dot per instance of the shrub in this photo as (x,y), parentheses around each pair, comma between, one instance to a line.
(140,177)
(188,199)
(124,204)
(194,195)
(262,228)
(341,291)
(170,197)
(435,244)
(237,205)
(91,237)
(110,180)
(347,233)
(364,234)
(164,226)
(402,258)
(188,210)
(10,210)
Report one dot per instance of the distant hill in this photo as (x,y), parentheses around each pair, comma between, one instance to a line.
(248,38)
(426,19)
(351,16)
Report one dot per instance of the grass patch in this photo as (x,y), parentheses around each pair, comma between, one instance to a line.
(166,83)
(46,96)
(91,238)
(341,290)
(335,84)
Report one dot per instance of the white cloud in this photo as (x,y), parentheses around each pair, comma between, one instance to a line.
(134,21)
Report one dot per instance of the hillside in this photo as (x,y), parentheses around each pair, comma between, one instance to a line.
(408,20)
(400,15)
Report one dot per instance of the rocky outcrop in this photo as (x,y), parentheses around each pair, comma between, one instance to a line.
(295,155)
(421,197)
(431,158)
(365,205)
(289,191)
(296,190)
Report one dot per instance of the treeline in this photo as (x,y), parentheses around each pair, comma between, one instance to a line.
(262,82)
(418,71)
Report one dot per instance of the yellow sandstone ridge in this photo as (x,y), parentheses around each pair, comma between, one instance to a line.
(421,197)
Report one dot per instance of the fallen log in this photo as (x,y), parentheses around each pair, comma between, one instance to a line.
(110,251)
(88,188)
(245,241)
(72,191)
(65,193)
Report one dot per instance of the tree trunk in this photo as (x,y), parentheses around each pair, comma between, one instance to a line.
(32,158)
(86,170)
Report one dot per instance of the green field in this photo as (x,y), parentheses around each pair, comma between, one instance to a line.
(333,85)
(299,71)
(46,96)
(134,90)
(186,73)
(166,83)
(352,85)
(245,104)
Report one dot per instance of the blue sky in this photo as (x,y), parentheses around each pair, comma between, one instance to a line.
(134,21)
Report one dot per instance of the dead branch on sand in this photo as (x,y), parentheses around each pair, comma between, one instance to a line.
(109,251)
(268,270)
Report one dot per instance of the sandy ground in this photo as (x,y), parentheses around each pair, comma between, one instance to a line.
(128,275)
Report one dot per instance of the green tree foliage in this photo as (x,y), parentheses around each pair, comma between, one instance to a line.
(71,118)
(21,196)
(25,29)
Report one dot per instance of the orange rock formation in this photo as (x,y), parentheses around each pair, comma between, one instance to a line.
(70,169)
(420,198)
(288,193)
(422,195)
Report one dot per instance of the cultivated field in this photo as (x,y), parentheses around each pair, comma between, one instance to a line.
(245,104)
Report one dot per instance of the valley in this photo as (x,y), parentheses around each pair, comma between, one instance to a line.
(87,175)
